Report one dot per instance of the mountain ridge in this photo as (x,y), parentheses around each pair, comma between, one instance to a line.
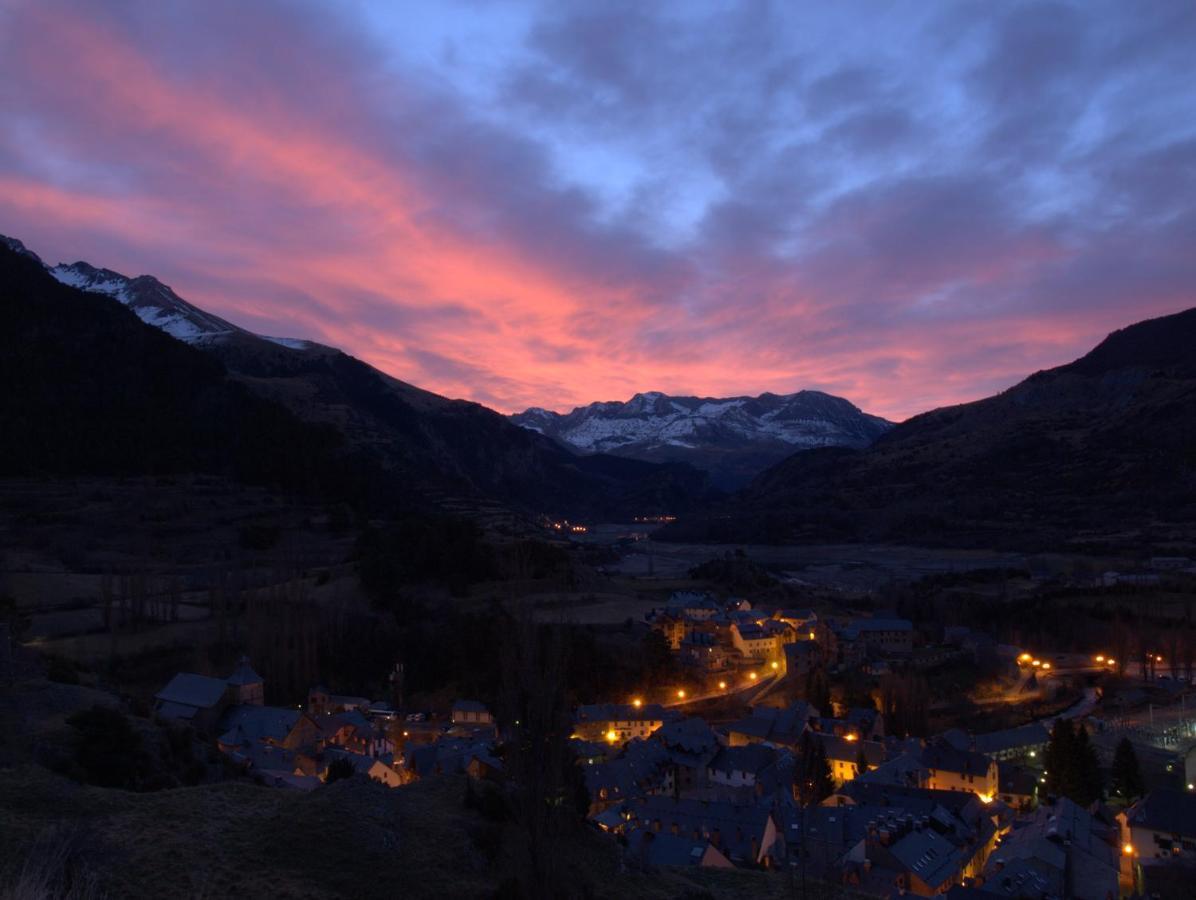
(733,438)
(1097,453)
(453,449)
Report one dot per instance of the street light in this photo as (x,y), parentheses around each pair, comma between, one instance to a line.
(722,685)
(752,675)
(776,665)
(637,702)
(680,695)
(1100,659)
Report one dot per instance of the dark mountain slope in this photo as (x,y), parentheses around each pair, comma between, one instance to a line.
(98,391)
(1099,452)
(91,390)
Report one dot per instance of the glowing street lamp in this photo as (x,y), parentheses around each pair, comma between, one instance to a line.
(680,695)
(637,702)
(1100,658)
(1128,849)
(612,736)
(722,685)
(1036,663)
(752,675)
(776,665)
(1046,665)
(1025,657)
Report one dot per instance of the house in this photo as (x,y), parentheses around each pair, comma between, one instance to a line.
(691,744)
(377,769)
(740,766)
(1018,786)
(695,606)
(1025,742)
(760,641)
(1162,825)
(644,767)
(880,636)
(1064,848)
(745,834)
(471,712)
(653,848)
(243,727)
(952,769)
(618,723)
(246,685)
(201,700)
(926,862)
(802,621)
(321,702)
(904,769)
(801,657)
(844,754)
(769,724)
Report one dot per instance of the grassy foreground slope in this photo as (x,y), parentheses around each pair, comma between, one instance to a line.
(353,838)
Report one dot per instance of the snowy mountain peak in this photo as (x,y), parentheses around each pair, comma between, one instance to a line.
(731,437)
(16,246)
(153,302)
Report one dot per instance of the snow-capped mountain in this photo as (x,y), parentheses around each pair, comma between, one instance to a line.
(733,438)
(156,304)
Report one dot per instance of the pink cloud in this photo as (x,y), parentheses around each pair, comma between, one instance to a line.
(301,197)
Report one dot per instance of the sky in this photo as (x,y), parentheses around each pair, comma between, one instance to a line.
(908,204)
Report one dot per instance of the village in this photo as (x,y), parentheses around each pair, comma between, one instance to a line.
(750,760)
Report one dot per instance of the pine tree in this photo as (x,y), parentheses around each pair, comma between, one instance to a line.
(1126,776)
(818,691)
(1058,758)
(1089,786)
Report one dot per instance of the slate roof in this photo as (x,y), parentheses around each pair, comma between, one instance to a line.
(690,735)
(930,856)
(665,848)
(189,689)
(1011,738)
(473,706)
(904,769)
(781,726)
(751,759)
(171,710)
(248,722)
(623,712)
(736,825)
(1170,811)
(243,674)
(1016,779)
(839,748)
(941,755)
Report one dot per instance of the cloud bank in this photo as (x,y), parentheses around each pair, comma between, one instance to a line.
(547,204)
